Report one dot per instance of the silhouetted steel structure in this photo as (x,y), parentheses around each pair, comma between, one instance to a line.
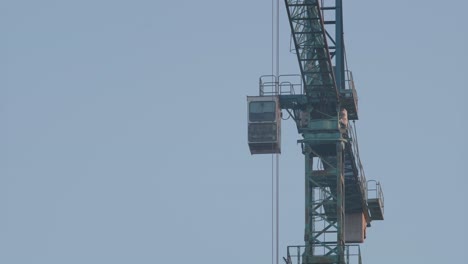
(339,202)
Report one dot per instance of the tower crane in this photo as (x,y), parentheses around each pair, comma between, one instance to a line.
(340,203)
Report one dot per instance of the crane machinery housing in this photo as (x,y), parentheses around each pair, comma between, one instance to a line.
(340,202)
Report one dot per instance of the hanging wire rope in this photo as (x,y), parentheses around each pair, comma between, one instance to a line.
(275,60)
(272,158)
(277,154)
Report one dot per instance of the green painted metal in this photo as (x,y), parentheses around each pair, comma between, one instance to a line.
(323,144)
(335,183)
(296,254)
(321,105)
(312,50)
(339,44)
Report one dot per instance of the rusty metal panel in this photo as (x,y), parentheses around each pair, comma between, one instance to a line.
(355,228)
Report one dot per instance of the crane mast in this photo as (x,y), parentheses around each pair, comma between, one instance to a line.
(339,202)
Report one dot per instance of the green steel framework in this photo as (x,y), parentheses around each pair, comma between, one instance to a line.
(336,188)
(335,184)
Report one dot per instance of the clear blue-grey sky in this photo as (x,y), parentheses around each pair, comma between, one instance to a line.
(124,131)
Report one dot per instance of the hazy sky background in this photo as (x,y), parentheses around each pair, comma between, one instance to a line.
(124,131)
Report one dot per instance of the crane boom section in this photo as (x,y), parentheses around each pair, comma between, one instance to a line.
(313,54)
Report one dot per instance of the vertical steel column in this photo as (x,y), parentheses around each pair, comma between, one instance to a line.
(340,201)
(309,201)
(324,200)
(339,57)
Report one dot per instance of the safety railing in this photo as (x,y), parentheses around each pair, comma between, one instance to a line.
(350,89)
(349,81)
(304,254)
(287,84)
(374,191)
(352,134)
(267,85)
